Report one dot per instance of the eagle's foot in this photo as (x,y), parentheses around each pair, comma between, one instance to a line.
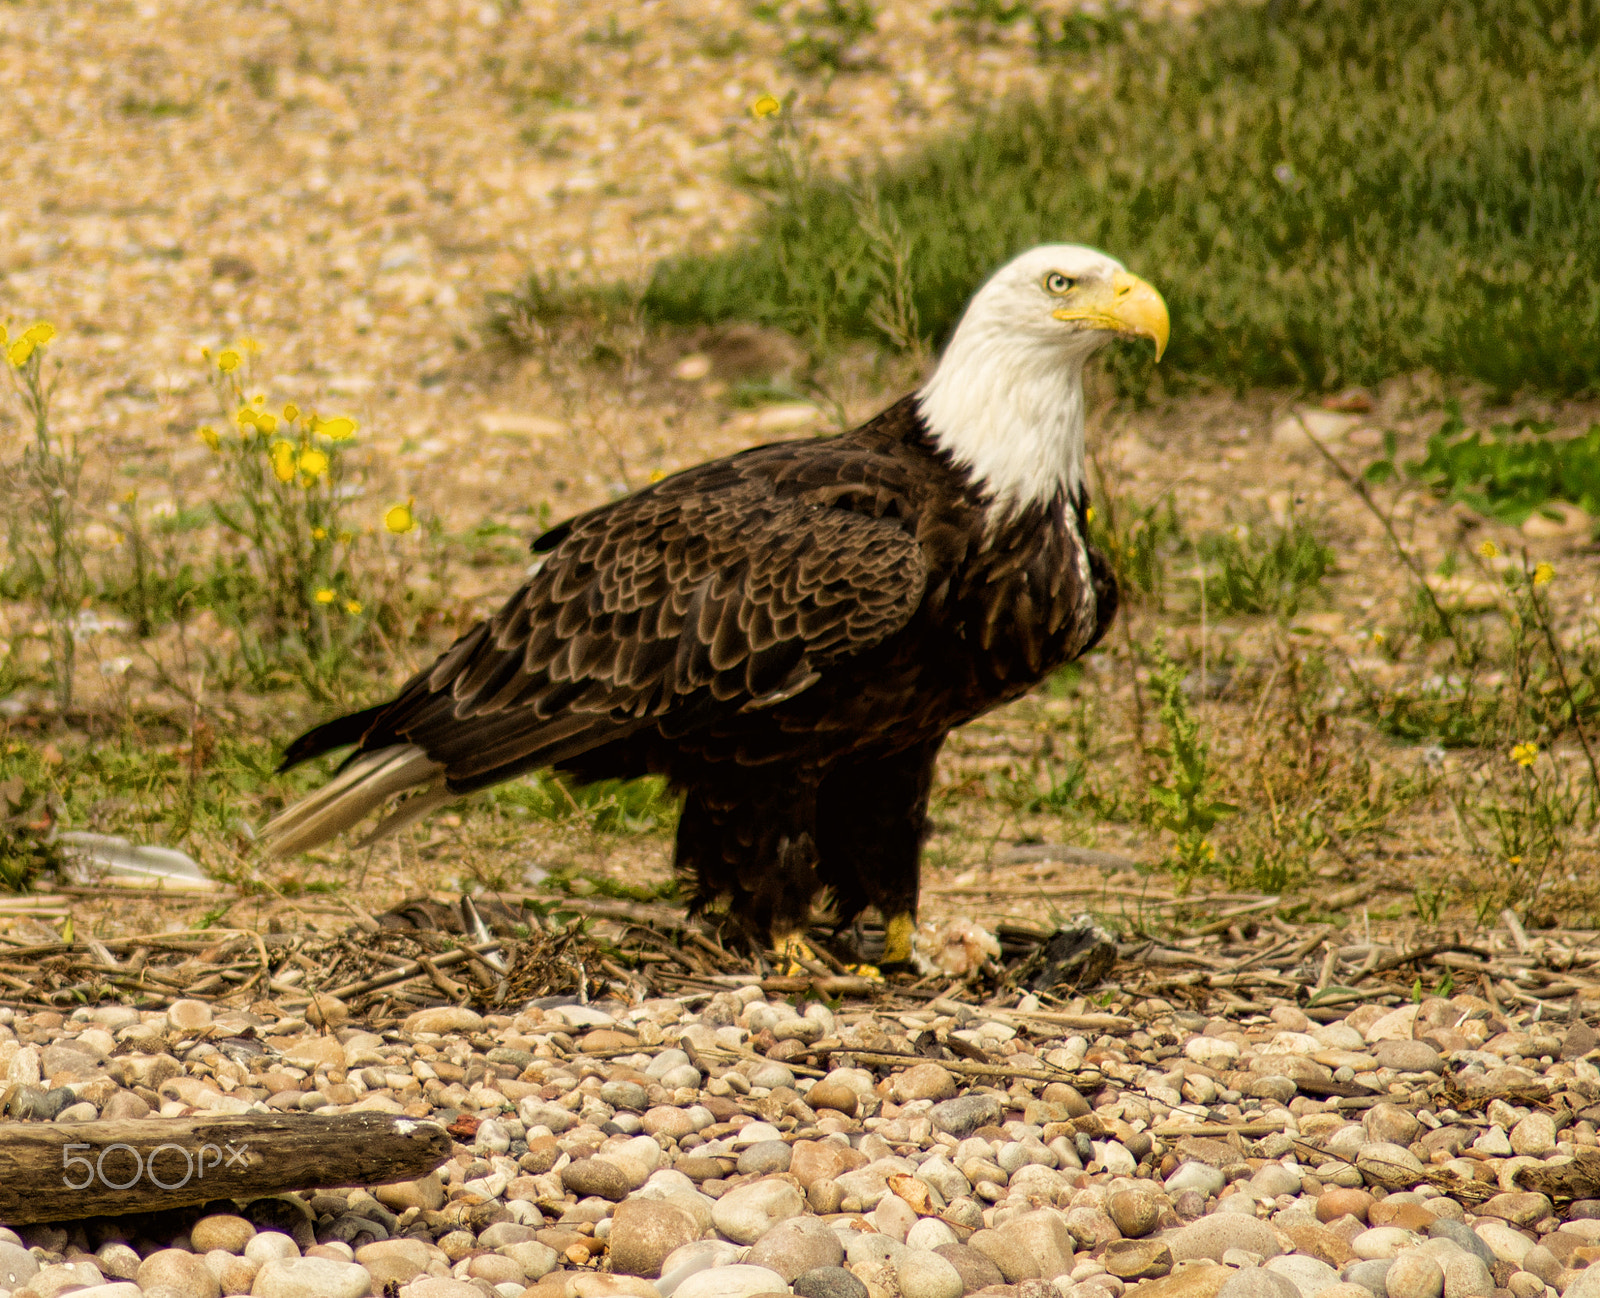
(797,956)
(897,944)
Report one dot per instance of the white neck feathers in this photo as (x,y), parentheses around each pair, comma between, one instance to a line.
(1011,415)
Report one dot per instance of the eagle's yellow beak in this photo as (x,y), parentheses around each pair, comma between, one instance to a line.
(1127,305)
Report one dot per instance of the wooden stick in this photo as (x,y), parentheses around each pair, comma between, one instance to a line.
(94,1169)
(963,1069)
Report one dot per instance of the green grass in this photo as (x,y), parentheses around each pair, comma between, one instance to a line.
(1327,191)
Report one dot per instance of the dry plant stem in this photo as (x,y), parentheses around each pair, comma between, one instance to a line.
(1360,488)
(1560,661)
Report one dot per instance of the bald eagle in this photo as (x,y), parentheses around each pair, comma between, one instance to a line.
(788,634)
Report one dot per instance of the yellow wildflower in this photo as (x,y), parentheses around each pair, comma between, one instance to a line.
(282,454)
(352,606)
(765,106)
(291,412)
(657,475)
(39,334)
(1088,514)
(4,336)
(1377,637)
(266,422)
(1543,574)
(1514,860)
(324,596)
(313,463)
(1525,754)
(337,430)
(319,534)
(228,361)
(208,435)
(1489,550)
(246,418)
(399,519)
(249,345)
(345,537)
(19,352)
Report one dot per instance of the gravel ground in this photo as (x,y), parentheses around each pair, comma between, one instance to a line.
(1176,1157)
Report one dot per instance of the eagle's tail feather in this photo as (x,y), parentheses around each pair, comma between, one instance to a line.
(361,788)
(338,733)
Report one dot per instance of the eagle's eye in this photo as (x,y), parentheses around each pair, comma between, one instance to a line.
(1057,283)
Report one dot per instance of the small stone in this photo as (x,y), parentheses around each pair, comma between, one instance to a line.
(125,1105)
(1010,1256)
(962,1116)
(78,1275)
(1044,1234)
(737,1281)
(976,1270)
(1535,1135)
(1256,1282)
(1381,1241)
(1407,1216)
(1137,1259)
(923,1082)
(645,1231)
(595,1176)
(797,1246)
(1407,1056)
(1306,1274)
(1198,1280)
(176,1268)
(1519,1207)
(663,1120)
(1370,1275)
(764,1158)
(1135,1212)
(622,1094)
(221,1230)
(1414,1274)
(443,1020)
(926,1275)
(831,1282)
(1390,1123)
(1389,1164)
(1579,1041)
(746,1213)
(1211,1236)
(117,1261)
(1466,1276)
(833,1095)
(1464,1237)
(270,1244)
(425,1194)
(189,1015)
(1198,1176)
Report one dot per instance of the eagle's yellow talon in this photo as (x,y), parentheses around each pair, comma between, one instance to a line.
(794,950)
(897,939)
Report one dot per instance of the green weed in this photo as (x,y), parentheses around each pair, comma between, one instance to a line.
(822,35)
(1326,191)
(1187,806)
(1510,473)
(1264,568)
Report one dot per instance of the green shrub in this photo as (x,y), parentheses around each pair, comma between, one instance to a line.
(1327,192)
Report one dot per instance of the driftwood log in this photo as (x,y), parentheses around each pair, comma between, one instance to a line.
(51,1172)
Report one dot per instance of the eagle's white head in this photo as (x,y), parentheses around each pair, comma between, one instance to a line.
(1006,401)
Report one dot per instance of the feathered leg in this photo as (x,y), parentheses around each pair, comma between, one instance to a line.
(872,817)
(748,845)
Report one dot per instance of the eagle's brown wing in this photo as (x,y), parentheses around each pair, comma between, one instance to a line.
(724,589)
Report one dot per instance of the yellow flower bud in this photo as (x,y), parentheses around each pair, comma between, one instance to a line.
(765,106)
(1525,754)
(319,534)
(1543,574)
(282,454)
(1489,550)
(19,352)
(399,519)
(208,435)
(291,412)
(352,606)
(324,596)
(313,463)
(338,430)
(228,361)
